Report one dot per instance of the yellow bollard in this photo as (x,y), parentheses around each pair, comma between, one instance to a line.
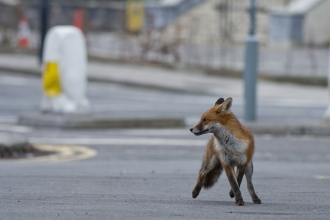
(64,77)
(51,79)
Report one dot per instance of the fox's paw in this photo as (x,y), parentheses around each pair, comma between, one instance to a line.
(195,193)
(231,194)
(256,200)
(240,202)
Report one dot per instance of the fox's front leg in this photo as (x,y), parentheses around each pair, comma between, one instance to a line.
(239,176)
(199,182)
(234,185)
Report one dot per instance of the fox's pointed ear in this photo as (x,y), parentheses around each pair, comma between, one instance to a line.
(219,101)
(225,106)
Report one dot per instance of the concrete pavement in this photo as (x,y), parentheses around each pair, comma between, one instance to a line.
(197,83)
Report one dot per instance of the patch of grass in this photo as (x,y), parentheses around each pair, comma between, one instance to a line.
(301,80)
(224,72)
(310,81)
(18,151)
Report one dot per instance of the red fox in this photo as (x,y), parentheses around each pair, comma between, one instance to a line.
(232,145)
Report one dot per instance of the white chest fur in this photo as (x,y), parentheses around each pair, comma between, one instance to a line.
(231,148)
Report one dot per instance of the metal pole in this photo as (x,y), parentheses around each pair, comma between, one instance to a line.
(251,67)
(327,112)
(44,17)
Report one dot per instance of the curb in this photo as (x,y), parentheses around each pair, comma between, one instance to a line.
(93,122)
(322,129)
(101,79)
(14,141)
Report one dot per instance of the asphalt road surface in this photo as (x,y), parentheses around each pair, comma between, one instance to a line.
(150,173)
(153,179)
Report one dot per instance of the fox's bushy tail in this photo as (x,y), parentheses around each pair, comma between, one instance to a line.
(212,177)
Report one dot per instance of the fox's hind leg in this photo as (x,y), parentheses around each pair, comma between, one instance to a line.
(248,174)
(239,176)
(208,175)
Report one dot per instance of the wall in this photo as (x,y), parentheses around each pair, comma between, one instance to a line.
(317,24)
(302,22)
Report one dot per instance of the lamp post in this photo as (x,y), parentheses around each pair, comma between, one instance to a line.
(251,67)
(44,18)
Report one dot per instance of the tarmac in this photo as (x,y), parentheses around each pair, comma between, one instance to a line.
(192,81)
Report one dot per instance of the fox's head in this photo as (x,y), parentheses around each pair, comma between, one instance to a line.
(214,117)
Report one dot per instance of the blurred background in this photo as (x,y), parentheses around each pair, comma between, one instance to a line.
(209,34)
(154,67)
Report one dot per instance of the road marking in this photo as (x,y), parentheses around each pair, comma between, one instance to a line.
(120,141)
(62,154)
(154,132)
(15,128)
(322,177)
(8,119)
(17,81)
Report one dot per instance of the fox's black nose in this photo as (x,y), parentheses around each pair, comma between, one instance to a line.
(191,129)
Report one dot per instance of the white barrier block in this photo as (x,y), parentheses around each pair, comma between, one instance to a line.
(64,71)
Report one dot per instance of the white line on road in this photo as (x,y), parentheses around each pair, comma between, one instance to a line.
(119,141)
(15,128)
(8,119)
(17,81)
(323,177)
(154,132)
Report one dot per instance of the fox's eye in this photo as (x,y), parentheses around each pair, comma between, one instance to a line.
(204,119)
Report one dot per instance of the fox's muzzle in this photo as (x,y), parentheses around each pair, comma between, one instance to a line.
(198,132)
